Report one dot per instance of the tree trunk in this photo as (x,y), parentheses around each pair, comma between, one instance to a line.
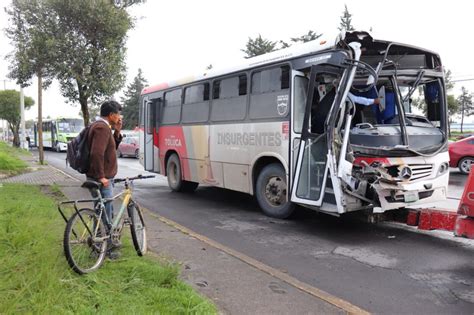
(40,118)
(83,101)
(85,110)
(16,136)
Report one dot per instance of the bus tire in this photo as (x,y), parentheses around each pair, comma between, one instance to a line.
(272,192)
(175,176)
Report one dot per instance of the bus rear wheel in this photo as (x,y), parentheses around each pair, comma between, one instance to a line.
(272,192)
(175,176)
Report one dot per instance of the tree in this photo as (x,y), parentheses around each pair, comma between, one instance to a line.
(32,31)
(10,111)
(131,101)
(258,46)
(311,35)
(448,80)
(92,47)
(346,21)
(453,105)
(465,102)
(125,3)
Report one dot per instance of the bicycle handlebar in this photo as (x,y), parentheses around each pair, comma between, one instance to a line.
(118,180)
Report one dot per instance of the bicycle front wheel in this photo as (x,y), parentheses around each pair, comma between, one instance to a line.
(137,228)
(85,242)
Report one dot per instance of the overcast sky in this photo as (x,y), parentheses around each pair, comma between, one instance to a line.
(178,38)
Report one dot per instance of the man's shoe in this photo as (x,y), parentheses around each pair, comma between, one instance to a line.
(115,244)
(113,254)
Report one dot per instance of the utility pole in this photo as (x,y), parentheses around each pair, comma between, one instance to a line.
(5,130)
(23,143)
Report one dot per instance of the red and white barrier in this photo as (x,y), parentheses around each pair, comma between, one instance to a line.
(465,221)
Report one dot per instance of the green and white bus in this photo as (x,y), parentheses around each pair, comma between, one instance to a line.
(58,132)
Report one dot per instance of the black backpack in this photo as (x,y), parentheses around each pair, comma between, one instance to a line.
(77,154)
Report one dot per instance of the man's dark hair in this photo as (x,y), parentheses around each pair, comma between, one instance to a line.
(109,107)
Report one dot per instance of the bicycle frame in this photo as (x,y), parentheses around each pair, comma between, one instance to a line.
(127,196)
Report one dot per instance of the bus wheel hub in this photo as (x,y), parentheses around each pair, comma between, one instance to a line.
(275,191)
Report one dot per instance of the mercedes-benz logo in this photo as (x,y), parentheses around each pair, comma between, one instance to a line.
(406,173)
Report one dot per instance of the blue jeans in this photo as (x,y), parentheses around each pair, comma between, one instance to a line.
(107,192)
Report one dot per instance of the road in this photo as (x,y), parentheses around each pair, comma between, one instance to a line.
(381,268)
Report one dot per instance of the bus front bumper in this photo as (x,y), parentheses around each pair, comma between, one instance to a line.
(411,194)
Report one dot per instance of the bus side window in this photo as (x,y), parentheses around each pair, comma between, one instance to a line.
(171,107)
(229,100)
(270,93)
(196,104)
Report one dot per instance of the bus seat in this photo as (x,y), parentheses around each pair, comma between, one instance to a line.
(368,114)
(390,109)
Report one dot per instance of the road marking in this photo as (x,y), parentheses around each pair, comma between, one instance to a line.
(331,299)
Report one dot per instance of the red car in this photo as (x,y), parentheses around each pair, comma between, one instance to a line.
(128,147)
(461,154)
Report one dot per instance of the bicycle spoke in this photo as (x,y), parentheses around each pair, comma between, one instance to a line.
(137,228)
(84,252)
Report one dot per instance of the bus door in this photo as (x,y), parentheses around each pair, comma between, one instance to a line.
(316,182)
(149,151)
(299,93)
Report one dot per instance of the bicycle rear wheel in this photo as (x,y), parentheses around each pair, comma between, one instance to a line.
(85,244)
(137,228)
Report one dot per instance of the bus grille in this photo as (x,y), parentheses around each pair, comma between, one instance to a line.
(415,171)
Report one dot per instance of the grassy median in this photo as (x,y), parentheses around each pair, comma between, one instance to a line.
(10,164)
(35,277)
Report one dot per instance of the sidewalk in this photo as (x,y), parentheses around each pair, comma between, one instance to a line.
(235,283)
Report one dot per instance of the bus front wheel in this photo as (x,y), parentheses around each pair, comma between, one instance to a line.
(272,192)
(175,177)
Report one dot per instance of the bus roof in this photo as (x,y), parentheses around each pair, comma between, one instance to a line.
(293,51)
(274,56)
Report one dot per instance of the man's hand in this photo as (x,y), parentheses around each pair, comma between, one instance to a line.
(118,125)
(377,101)
(104,181)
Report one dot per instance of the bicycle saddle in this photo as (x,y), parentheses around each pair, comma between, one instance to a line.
(90,184)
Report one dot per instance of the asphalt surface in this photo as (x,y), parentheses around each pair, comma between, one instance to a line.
(380,268)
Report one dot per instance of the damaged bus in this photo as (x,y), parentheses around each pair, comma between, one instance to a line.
(286,128)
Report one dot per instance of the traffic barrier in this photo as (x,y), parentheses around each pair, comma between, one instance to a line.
(465,221)
(413,217)
(465,227)
(466,206)
(434,219)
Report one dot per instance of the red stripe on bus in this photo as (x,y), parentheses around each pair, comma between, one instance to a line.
(370,160)
(172,138)
(154,88)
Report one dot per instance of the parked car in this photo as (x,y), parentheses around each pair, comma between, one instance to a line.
(461,154)
(128,147)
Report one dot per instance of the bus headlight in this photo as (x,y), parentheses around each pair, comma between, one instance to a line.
(443,168)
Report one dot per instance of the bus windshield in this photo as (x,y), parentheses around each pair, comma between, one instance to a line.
(70,125)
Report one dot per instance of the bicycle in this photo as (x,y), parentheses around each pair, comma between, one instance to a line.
(90,232)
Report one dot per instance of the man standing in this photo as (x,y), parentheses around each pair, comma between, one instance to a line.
(103,138)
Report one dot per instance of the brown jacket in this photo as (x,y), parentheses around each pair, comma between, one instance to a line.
(103,155)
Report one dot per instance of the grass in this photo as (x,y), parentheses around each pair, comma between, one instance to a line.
(10,164)
(35,277)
